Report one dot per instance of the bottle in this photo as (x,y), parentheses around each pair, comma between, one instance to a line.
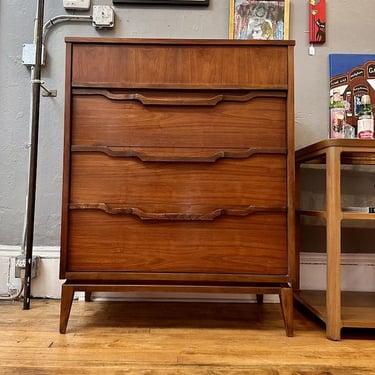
(348,101)
(349,128)
(337,116)
(365,127)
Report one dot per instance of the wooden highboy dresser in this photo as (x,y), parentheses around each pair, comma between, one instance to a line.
(178,168)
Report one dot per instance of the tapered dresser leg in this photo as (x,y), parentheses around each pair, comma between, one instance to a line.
(67,294)
(88,296)
(259,299)
(286,302)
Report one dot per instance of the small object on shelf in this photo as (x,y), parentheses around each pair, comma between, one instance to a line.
(365,119)
(368,209)
(337,115)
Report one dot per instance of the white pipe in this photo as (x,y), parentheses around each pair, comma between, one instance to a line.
(12,297)
(61,18)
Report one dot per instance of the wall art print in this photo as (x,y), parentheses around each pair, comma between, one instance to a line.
(350,77)
(317,21)
(259,19)
(162,2)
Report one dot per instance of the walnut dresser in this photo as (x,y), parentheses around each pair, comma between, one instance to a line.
(178,168)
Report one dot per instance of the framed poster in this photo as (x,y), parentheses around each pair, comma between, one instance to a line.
(317,21)
(351,75)
(163,2)
(259,19)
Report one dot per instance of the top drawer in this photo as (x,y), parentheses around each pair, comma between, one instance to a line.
(179,64)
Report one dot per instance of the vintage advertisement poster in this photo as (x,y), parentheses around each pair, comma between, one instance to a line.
(351,77)
(259,19)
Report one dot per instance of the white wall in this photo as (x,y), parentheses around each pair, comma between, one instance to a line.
(350,29)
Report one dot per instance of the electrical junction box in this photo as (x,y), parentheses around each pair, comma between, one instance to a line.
(76,4)
(29,54)
(103,16)
(20,264)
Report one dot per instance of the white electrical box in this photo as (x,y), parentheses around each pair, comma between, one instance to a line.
(76,4)
(29,55)
(103,16)
(20,264)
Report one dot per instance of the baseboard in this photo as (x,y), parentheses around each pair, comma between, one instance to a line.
(45,285)
(358,274)
(357,271)
(42,251)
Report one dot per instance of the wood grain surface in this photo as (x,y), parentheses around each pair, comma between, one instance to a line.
(160,338)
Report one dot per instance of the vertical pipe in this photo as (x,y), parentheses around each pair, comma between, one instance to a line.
(35,104)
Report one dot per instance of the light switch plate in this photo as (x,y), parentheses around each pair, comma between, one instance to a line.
(76,4)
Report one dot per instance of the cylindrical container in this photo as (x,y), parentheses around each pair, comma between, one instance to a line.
(365,119)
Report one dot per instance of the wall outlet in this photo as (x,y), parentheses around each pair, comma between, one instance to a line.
(103,16)
(76,4)
(20,265)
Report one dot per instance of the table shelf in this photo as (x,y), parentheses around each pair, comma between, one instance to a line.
(357,308)
(344,215)
(337,309)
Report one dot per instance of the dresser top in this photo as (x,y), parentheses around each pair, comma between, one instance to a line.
(99,40)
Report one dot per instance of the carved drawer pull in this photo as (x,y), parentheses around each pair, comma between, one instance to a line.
(176,216)
(178,154)
(205,99)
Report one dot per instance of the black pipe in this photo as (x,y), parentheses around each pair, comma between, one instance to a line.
(35,82)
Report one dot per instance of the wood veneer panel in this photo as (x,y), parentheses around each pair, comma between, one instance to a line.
(197,66)
(99,121)
(258,180)
(252,244)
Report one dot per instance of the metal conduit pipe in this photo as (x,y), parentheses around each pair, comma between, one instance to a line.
(47,26)
(40,33)
(35,104)
(61,18)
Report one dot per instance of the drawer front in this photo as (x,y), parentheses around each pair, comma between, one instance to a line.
(244,122)
(255,244)
(258,180)
(179,65)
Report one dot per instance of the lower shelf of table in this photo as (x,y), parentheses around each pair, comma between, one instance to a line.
(357,308)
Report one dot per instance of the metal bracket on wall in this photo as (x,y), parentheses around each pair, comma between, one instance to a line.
(46,92)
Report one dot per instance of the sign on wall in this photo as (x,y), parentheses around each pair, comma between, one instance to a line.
(259,19)
(164,2)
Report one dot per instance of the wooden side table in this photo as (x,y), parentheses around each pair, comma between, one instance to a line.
(336,308)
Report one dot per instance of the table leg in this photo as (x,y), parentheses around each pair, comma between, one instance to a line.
(334,217)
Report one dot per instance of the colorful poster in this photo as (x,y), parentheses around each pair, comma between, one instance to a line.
(259,19)
(351,76)
(317,21)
